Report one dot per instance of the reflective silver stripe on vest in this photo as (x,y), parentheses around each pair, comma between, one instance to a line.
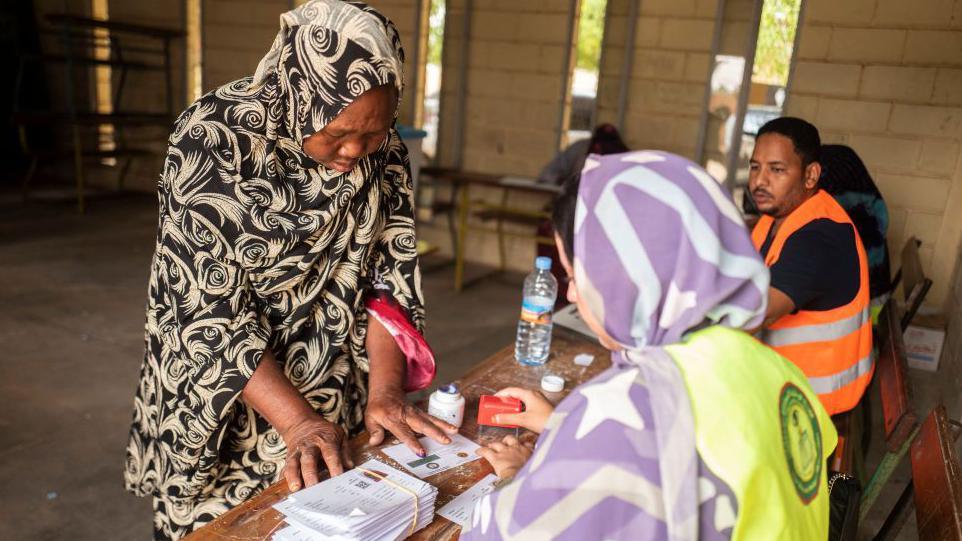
(822,332)
(829,384)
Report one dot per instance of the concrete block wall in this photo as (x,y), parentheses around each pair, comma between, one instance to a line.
(514,93)
(515,65)
(404,14)
(236,35)
(885,77)
(450,119)
(669,73)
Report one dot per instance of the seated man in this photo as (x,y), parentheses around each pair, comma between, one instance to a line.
(818,308)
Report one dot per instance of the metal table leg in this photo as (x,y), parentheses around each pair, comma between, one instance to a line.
(463,204)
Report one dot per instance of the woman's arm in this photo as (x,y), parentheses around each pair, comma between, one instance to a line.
(312,441)
(387,406)
(273,396)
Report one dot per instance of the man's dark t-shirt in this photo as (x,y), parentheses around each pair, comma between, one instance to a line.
(818,266)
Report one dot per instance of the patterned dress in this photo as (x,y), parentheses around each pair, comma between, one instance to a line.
(259,246)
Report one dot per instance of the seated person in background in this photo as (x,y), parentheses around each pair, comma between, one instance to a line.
(566,166)
(846,178)
(605,139)
(818,305)
(697,431)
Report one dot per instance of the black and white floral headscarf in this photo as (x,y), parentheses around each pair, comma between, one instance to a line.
(260,246)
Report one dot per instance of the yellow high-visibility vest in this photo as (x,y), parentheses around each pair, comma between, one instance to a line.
(761,429)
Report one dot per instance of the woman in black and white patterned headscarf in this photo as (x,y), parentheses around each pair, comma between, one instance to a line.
(284,198)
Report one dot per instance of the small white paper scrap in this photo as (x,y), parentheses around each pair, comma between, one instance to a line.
(439,457)
(584,359)
(460,508)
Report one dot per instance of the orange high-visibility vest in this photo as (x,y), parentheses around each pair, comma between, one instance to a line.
(832,347)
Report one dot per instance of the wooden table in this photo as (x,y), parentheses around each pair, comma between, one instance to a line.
(255,520)
(461,183)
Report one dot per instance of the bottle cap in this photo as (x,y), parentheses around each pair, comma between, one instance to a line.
(450,388)
(542,263)
(552,383)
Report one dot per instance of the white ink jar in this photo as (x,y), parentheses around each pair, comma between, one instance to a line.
(447,404)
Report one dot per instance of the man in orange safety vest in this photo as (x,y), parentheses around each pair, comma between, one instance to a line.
(818,312)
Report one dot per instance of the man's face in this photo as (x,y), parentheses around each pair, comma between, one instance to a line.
(777,181)
(358,131)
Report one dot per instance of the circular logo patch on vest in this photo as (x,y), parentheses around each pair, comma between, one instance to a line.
(801,441)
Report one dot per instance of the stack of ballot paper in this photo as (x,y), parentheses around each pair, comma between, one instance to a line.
(372,502)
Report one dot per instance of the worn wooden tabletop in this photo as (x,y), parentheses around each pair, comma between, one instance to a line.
(256,520)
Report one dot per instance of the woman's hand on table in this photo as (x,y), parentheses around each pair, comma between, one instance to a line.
(390,411)
(537,409)
(313,443)
(507,456)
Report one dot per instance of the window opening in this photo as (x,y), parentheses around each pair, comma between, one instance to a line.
(431,95)
(583,82)
(748,83)
(194,50)
(103,93)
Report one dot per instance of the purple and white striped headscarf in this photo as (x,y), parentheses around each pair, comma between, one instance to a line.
(660,248)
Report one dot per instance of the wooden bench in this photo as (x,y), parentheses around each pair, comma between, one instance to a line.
(899,420)
(892,372)
(937,479)
(915,285)
(934,489)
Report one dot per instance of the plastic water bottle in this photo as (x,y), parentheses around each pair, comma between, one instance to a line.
(534,328)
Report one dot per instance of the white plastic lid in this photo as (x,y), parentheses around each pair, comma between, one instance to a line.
(448,393)
(552,383)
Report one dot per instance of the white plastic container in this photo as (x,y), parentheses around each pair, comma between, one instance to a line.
(447,404)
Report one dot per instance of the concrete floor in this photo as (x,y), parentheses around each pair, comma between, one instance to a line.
(72,291)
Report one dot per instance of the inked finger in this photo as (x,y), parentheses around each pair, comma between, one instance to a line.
(523,395)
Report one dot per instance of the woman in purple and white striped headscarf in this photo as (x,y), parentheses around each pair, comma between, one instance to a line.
(659,252)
